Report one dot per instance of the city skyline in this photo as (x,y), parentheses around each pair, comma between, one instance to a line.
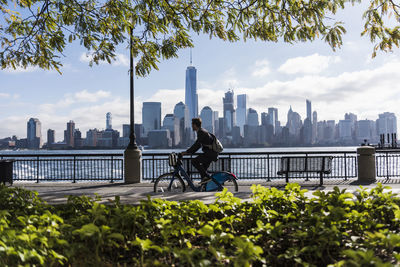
(347,128)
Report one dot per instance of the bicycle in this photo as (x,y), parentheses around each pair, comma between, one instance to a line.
(173,182)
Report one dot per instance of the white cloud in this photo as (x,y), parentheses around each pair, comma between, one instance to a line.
(4,95)
(227,79)
(120,59)
(21,70)
(85,96)
(312,64)
(261,68)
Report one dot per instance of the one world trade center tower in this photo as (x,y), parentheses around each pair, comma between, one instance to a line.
(191,98)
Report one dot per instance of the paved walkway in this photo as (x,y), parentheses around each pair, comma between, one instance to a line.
(55,193)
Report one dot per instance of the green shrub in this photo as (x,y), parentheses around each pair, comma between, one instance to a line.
(276,228)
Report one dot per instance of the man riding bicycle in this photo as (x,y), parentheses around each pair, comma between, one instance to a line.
(204,140)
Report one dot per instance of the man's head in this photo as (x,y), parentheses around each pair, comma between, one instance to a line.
(196,124)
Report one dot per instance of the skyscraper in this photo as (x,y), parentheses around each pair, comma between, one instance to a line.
(207,117)
(126,130)
(216,122)
(308,103)
(50,137)
(307,128)
(221,128)
(252,117)
(365,130)
(273,118)
(329,133)
(229,111)
(293,122)
(171,123)
(182,113)
(191,98)
(92,137)
(264,118)
(151,116)
(345,131)
(34,133)
(108,121)
(69,134)
(251,129)
(78,140)
(241,112)
(387,123)
(314,126)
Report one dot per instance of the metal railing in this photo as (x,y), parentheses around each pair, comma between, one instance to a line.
(246,166)
(254,165)
(387,163)
(67,167)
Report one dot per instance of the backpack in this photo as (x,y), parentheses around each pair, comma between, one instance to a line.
(216,144)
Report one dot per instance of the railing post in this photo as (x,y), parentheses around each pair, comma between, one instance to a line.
(154,171)
(287,169)
(143,168)
(321,179)
(37,169)
(188,167)
(306,167)
(74,177)
(112,169)
(387,166)
(345,167)
(122,169)
(268,175)
(230,163)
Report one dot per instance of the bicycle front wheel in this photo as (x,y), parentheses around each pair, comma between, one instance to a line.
(163,183)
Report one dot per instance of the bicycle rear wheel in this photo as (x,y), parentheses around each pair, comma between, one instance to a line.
(163,182)
(231,185)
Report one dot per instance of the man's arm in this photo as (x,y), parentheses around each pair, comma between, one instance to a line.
(193,148)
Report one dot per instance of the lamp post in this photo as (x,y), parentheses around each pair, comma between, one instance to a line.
(132,155)
(132,136)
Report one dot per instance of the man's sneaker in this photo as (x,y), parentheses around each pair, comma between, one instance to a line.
(205,180)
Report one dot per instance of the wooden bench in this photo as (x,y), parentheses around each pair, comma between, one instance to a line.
(306,164)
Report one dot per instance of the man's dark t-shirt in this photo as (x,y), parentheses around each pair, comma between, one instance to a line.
(204,139)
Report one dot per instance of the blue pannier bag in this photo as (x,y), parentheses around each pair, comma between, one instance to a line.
(220,177)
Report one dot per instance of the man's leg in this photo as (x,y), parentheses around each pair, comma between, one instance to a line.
(201,163)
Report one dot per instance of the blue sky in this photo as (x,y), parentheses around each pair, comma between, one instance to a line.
(272,74)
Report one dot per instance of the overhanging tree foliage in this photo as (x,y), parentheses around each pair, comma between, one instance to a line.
(36,33)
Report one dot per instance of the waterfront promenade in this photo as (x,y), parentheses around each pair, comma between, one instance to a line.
(56,193)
